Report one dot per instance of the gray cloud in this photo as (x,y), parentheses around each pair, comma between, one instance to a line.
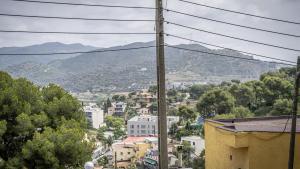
(282,9)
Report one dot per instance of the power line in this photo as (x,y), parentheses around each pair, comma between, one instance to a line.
(143,20)
(80,52)
(233,24)
(229,56)
(232,37)
(84,4)
(74,18)
(179,37)
(242,13)
(80,33)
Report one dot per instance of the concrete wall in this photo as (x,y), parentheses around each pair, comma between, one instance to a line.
(247,150)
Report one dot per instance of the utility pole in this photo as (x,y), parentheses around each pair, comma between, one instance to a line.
(116,163)
(294,118)
(160,59)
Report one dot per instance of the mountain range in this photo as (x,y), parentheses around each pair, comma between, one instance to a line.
(125,70)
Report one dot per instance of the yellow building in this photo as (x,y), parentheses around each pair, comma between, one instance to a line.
(130,150)
(253,143)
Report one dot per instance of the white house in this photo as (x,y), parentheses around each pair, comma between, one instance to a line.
(94,115)
(119,108)
(147,125)
(196,142)
(143,111)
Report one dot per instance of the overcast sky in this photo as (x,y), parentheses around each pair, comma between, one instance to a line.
(281,9)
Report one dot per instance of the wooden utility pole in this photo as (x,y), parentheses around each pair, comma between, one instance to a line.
(116,162)
(294,117)
(162,115)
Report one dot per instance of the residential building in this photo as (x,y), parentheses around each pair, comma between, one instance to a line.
(143,111)
(196,142)
(123,154)
(251,143)
(94,115)
(119,108)
(151,159)
(110,111)
(130,150)
(145,97)
(147,125)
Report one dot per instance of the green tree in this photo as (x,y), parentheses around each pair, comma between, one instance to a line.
(214,102)
(187,114)
(131,113)
(237,112)
(259,89)
(118,133)
(242,112)
(243,94)
(106,105)
(103,161)
(108,102)
(173,130)
(100,134)
(143,104)
(187,151)
(171,93)
(282,107)
(277,88)
(40,127)
(119,98)
(153,89)
(109,141)
(172,111)
(198,90)
(114,122)
(60,148)
(153,107)
(199,162)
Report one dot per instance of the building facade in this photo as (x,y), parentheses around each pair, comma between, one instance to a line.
(254,143)
(147,125)
(129,151)
(119,109)
(94,115)
(196,142)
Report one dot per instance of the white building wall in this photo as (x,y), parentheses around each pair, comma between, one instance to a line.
(94,115)
(146,125)
(196,142)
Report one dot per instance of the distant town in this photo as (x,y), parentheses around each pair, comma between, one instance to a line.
(149,84)
(125,126)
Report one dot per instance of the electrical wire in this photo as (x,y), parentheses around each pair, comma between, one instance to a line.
(229,56)
(75,18)
(242,13)
(179,37)
(143,20)
(232,37)
(233,24)
(80,52)
(84,4)
(79,33)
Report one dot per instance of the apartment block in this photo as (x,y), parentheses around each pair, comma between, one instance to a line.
(147,125)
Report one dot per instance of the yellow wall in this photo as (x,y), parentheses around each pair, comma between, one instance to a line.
(141,149)
(123,153)
(243,150)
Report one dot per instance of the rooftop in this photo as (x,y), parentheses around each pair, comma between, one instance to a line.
(132,140)
(192,138)
(258,124)
(149,118)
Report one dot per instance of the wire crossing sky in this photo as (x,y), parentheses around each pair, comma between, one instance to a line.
(137,17)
